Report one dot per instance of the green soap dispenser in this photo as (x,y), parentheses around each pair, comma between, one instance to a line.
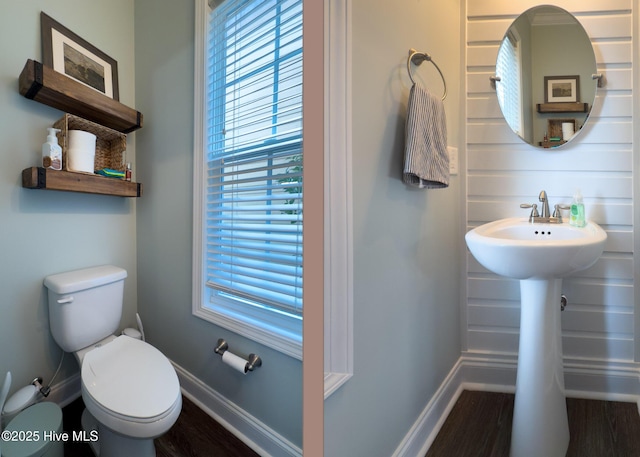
(577,217)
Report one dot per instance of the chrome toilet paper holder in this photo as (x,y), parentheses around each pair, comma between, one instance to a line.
(253,361)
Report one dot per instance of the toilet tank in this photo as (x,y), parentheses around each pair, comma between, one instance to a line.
(85,306)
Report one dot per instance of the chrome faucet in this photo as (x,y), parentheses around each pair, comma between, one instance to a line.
(545,203)
(545,216)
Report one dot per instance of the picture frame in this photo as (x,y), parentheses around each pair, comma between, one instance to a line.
(71,55)
(561,89)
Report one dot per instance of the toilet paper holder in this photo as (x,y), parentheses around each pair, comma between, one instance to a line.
(254,361)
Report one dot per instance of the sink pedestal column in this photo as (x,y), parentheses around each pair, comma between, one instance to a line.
(540,426)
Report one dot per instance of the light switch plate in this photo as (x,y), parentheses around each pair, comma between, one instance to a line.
(453,160)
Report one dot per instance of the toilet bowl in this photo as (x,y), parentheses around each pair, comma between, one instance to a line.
(131,394)
(130,389)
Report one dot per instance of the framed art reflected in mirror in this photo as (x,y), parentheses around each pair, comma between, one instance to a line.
(561,89)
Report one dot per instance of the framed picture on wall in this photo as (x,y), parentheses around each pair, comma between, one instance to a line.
(559,89)
(67,53)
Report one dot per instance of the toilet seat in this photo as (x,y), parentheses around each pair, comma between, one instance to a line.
(128,384)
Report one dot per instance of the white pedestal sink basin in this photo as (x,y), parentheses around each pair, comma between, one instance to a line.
(539,255)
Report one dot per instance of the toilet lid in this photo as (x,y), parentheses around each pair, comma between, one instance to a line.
(131,378)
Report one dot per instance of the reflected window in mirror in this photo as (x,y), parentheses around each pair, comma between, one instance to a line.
(508,91)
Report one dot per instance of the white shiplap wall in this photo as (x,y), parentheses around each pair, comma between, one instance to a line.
(503,172)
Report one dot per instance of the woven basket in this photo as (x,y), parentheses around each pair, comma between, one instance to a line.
(555,127)
(111,145)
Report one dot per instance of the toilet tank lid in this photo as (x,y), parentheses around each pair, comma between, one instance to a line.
(86,278)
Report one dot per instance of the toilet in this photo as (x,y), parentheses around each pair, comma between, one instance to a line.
(130,389)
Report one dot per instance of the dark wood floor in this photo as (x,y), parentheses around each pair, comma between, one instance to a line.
(195,434)
(479,425)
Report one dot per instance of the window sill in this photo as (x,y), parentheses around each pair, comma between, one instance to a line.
(333,381)
(254,329)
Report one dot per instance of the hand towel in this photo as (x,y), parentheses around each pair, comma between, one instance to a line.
(426,158)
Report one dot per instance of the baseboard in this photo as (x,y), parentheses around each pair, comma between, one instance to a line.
(602,380)
(66,391)
(610,381)
(583,378)
(425,429)
(248,429)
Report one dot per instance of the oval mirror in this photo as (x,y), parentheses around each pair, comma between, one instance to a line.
(545,76)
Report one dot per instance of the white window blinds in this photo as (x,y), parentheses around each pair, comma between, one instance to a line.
(508,89)
(254,154)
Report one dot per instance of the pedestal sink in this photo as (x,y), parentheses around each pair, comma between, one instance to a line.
(539,255)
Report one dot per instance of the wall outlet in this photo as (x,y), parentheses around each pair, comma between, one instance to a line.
(453,160)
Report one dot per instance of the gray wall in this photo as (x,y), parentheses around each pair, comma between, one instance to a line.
(164,94)
(407,243)
(45,232)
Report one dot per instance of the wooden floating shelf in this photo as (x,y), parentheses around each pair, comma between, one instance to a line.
(45,85)
(563,107)
(44,178)
(551,144)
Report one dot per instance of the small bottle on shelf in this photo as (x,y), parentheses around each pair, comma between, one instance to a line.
(127,173)
(51,151)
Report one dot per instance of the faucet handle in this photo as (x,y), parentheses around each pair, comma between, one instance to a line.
(557,208)
(534,210)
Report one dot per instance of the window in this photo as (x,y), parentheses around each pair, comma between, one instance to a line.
(508,89)
(248,170)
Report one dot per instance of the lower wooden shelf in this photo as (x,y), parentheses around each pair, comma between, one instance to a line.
(551,144)
(45,178)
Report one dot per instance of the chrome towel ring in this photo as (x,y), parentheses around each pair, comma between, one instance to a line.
(417,58)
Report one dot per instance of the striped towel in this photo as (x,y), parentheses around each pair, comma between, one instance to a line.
(426,159)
